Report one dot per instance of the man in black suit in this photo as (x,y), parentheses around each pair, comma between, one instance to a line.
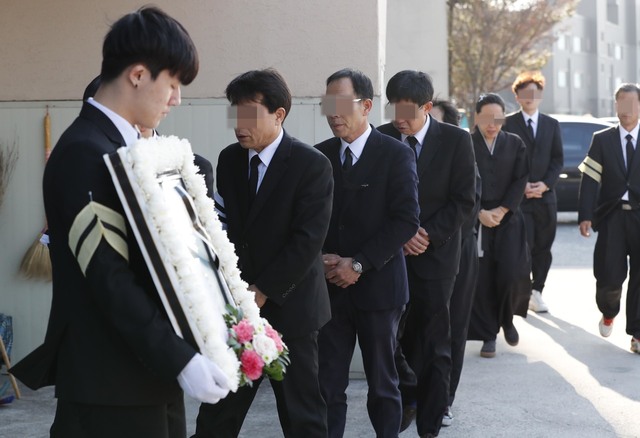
(610,204)
(110,349)
(446,193)
(274,195)
(541,135)
(375,211)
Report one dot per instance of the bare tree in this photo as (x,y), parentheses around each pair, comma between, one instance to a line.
(492,41)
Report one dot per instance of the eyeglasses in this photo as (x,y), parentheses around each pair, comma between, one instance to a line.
(333,105)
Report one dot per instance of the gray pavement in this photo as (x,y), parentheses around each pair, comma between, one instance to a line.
(563,380)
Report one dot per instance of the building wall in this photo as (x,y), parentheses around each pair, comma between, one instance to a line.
(606,33)
(55,51)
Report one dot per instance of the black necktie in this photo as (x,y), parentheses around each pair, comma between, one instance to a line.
(348,160)
(253,178)
(413,142)
(630,152)
(531,133)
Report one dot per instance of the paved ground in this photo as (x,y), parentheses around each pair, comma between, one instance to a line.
(563,380)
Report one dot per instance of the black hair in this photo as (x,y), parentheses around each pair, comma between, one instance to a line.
(627,88)
(449,111)
(151,37)
(362,86)
(411,85)
(91,89)
(488,98)
(268,83)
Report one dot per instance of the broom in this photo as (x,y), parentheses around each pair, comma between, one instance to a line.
(36,262)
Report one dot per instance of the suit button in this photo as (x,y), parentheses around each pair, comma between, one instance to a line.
(341,227)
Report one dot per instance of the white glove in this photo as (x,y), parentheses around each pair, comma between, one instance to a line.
(203,380)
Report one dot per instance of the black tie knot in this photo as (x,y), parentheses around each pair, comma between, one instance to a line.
(253,177)
(530,127)
(412,143)
(348,160)
(630,151)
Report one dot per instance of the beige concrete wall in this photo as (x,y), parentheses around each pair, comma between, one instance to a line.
(51,50)
(416,39)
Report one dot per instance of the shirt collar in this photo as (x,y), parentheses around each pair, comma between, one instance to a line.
(127,130)
(421,134)
(633,132)
(534,117)
(267,153)
(357,145)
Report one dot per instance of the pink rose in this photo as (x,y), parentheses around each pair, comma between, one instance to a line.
(252,364)
(275,336)
(244,331)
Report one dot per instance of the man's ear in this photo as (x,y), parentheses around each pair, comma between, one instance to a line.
(136,74)
(281,113)
(367,104)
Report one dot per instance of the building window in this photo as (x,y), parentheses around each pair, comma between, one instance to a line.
(560,42)
(617,51)
(612,11)
(577,80)
(576,44)
(562,79)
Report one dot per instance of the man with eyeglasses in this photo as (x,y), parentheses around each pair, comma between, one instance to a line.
(375,211)
(446,190)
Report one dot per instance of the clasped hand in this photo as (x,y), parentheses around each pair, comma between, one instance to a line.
(492,218)
(339,271)
(535,189)
(418,243)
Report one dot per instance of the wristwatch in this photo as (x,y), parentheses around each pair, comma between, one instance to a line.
(356,266)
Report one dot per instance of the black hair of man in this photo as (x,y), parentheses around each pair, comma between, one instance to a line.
(627,88)
(267,87)
(362,86)
(92,88)
(414,86)
(450,113)
(489,98)
(152,38)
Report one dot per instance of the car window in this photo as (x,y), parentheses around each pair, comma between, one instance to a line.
(576,138)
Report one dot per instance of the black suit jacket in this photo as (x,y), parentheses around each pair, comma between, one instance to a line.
(279,239)
(375,211)
(605,179)
(109,341)
(545,153)
(446,194)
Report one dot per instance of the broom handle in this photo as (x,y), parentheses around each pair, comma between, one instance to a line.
(5,357)
(47,135)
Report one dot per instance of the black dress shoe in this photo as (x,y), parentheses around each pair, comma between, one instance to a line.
(511,335)
(408,415)
(488,349)
(428,435)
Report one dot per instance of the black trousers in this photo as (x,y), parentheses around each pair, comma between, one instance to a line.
(619,238)
(460,308)
(78,420)
(426,343)
(541,221)
(376,332)
(301,409)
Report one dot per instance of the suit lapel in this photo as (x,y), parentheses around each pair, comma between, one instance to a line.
(358,176)
(528,139)
(615,140)
(430,146)
(277,168)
